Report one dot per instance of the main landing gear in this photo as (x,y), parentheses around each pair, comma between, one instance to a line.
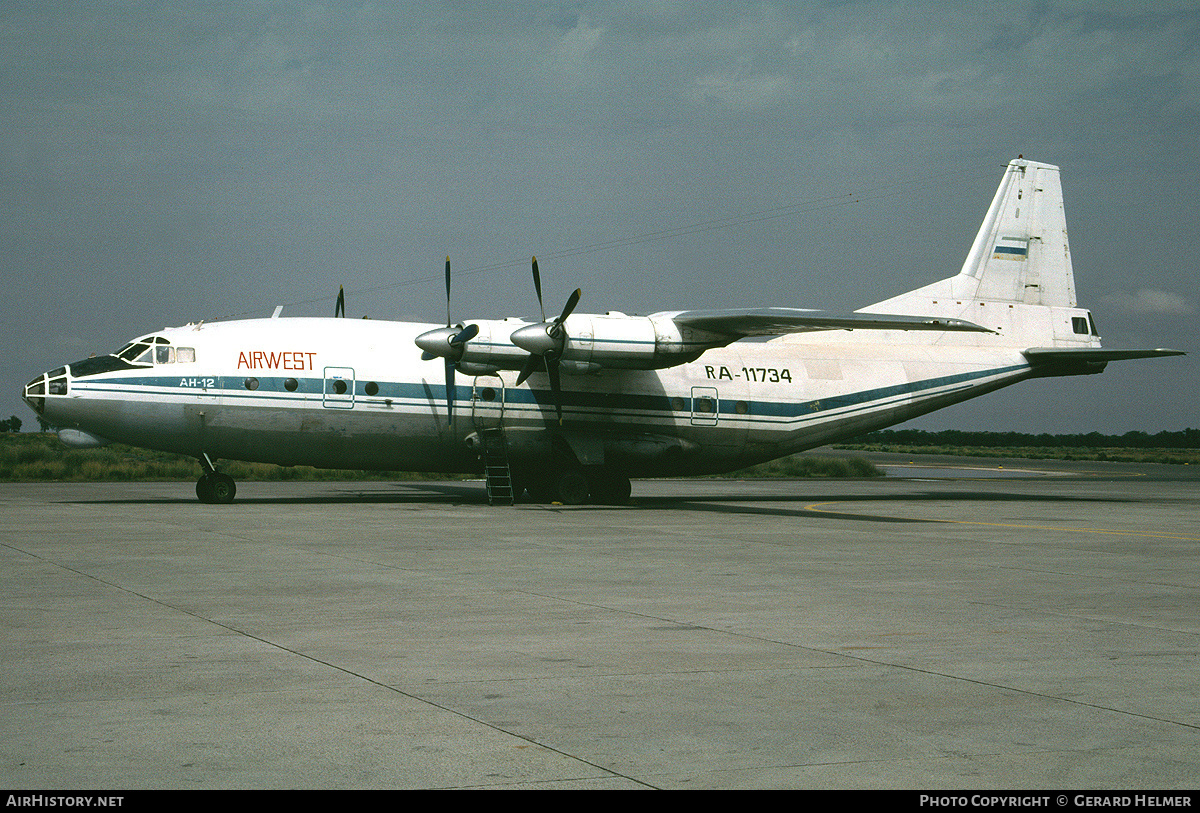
(214,487)
(571,484)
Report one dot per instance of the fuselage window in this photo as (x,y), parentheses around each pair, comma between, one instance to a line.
(1080,325)
(251,383)
(372,388)
(339,386)
(185,355)
(164,354)
(290,384)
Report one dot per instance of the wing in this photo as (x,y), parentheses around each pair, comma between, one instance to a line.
(775,321)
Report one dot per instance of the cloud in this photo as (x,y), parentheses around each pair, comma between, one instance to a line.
(741,91)
(1150,301)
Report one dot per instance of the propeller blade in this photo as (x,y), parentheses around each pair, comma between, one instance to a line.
(339,310)
(537,286)
(468,333)
(530,367)
(572,301)
(447,292)
(450,391)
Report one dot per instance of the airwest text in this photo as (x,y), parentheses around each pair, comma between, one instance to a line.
(275,360)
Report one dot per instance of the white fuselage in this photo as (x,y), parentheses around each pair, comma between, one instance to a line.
(341,393)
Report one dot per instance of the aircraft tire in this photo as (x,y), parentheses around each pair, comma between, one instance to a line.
(224,489)
(218,489)
(204,489)
(572,486)
(541,490)
(609,487)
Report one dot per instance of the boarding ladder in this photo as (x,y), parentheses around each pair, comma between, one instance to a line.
(496,470)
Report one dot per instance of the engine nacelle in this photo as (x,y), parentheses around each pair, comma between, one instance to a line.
(591,342)
(618,341)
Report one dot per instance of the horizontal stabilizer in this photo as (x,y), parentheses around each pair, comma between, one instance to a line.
(776,321)
(1052,355)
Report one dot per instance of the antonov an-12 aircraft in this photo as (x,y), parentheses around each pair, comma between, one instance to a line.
(570,408)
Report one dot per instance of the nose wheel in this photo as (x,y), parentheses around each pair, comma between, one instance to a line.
(213,487)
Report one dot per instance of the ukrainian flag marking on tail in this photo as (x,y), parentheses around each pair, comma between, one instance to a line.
(1011,248)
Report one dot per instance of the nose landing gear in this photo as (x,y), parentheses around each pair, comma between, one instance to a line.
(214,487)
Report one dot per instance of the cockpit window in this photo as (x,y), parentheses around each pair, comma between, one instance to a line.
(153,350)
(133,351)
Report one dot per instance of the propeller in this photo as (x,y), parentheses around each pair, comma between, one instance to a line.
(449,342)
(546,342)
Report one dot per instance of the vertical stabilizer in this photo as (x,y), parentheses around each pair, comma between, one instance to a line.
(1020,255)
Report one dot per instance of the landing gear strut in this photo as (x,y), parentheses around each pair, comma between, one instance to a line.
(214,487)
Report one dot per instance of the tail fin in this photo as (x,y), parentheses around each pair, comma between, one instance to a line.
(1017,281)
(1020,254)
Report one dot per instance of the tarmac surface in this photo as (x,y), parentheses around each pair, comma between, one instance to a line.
(954,625)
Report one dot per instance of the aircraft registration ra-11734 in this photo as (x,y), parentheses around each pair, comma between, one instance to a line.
(570,408)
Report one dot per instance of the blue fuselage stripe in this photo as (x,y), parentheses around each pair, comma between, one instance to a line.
(308,390)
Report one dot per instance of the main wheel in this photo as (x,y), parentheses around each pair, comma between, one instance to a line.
(204,489)
(609,487)
(572,486)
(216,488)
(224,489)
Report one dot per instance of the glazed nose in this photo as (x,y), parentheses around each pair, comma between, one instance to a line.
(51,383)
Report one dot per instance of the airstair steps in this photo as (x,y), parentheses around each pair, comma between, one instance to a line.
(496,471)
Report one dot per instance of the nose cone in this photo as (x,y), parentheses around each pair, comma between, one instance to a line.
(54,382)
(436,343)
(534,339)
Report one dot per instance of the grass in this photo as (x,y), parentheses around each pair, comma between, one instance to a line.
(31,457)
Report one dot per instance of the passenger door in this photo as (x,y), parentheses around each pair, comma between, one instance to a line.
(339,388)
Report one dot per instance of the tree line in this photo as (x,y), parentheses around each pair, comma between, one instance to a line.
(1183,439)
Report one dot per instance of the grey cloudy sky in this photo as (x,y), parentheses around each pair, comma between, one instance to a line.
(164,162)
